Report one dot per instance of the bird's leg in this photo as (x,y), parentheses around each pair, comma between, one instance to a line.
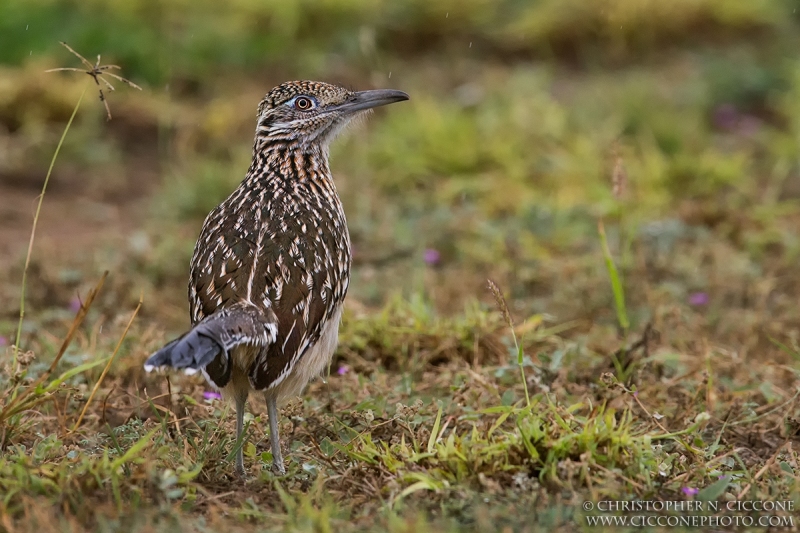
(241,401)
(274,437)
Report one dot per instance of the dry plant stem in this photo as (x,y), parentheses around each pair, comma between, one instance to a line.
(763,469)
(769,412)
(636,399)
(503,307)
(108,365)
(73,329)
(33,229)
(618,475)
(666,433)
(96,71)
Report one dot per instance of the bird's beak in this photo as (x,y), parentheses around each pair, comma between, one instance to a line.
(368,99)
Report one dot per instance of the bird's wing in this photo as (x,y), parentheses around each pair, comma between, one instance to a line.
(304,273)
(276,254)
(222,262)
(207,346)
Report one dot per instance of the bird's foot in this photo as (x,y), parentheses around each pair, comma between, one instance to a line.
(278,469)
(239,469)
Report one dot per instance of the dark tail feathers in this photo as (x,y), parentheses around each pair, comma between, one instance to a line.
(217,334)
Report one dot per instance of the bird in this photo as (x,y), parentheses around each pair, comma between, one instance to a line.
(271,267)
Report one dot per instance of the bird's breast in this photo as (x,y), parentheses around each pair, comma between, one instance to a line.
(285,247)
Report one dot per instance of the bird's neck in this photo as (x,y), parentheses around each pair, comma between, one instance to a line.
(292,165)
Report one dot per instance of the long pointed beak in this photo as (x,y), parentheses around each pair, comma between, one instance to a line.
(368,99)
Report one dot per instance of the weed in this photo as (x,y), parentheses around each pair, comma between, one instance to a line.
(98,73)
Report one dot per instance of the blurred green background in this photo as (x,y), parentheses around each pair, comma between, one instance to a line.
(500,165)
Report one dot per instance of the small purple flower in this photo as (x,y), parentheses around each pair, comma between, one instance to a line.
(75,304)
(636,394)
(3,341)
(690,491)
(212,395)
(344,369)
(431,256)
(698,298)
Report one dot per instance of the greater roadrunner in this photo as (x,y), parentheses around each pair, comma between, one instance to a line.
(271,267)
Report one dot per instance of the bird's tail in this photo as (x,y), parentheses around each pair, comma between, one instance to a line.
(215,335)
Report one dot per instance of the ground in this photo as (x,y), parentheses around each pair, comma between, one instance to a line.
(625,172)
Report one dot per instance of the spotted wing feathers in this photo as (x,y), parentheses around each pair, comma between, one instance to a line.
(206,347)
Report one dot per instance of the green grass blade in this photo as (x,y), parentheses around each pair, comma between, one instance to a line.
(53,385)
(616,283)
(134,450)
(435,431)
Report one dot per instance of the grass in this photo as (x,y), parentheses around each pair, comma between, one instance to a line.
(33,230)
(654,359)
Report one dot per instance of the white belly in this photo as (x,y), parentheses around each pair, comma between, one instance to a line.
(312,363)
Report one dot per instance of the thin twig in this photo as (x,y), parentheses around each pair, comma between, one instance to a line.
(35,224)
(636,399)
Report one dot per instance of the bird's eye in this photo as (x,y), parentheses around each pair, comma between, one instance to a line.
(303,103)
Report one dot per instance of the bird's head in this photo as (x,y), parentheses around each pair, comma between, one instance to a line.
(311,113)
